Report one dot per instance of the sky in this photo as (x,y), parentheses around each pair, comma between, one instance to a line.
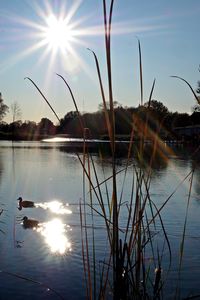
(39,38)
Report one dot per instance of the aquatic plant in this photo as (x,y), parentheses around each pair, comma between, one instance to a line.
(134,275)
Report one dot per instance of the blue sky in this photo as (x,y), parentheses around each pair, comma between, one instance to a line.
(169,35)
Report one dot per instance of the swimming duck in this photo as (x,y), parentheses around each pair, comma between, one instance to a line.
(29,223)
(25,203)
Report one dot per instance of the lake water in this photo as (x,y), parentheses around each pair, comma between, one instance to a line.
(47,263)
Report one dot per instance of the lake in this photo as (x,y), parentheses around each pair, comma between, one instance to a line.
(46,263)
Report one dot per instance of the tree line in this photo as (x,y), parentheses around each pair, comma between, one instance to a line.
(152,117)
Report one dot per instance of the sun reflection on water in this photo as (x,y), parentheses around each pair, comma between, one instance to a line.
(54,233)
(55,207)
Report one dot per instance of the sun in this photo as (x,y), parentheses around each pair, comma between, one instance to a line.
(57,34)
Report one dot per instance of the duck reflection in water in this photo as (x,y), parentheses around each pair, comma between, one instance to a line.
(25,203)
(30,223)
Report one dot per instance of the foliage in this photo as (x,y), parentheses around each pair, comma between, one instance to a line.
(197,106)
(195,117)
(198,87)
(182,119)
(115,105)
(158,108)
(65,125)
(46,127)
(3,108)
(157,114)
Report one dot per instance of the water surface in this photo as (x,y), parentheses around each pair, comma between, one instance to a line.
(51,254)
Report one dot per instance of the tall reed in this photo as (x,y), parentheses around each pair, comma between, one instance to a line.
(132,276)
(126,259)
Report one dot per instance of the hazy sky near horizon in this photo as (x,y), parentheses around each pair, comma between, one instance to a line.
(169,35)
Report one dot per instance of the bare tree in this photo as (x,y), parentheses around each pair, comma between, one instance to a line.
(3,108)
(16,111)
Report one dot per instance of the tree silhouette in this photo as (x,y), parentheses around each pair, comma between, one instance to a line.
(16,111)
(196,108)
(115,105)
(157,107)
(3,108)
(46,126)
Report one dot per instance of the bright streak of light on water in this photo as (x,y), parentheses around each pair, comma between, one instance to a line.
(55,207)
(56,139)
(54,233)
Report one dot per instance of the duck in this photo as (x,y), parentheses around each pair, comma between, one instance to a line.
(25,203)
(29,223)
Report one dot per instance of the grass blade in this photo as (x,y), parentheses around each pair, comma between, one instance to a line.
(43,97)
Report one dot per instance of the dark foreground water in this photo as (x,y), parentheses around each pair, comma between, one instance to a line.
(47,263)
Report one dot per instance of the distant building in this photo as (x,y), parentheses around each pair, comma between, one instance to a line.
(191,132)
